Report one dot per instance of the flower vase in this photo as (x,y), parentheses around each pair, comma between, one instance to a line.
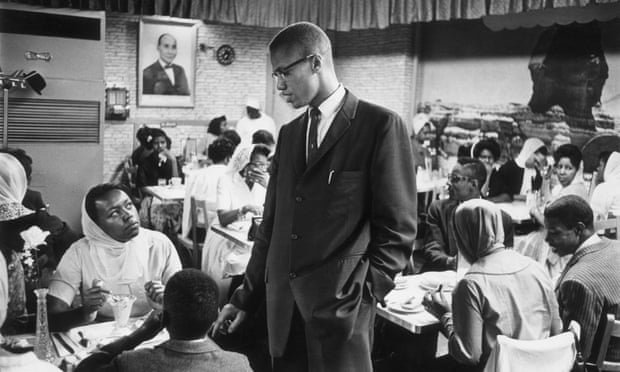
(43,347)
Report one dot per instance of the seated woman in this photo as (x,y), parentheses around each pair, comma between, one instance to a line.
(116,256)
(30,242)
(567,160)
(160,164)
(502,293)
(488,152)
(240,192)
(605,200)
(202,183)
(523,174)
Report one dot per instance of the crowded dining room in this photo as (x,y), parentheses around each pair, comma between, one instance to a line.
(310,185)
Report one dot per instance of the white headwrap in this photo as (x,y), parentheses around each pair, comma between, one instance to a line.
(240,159)
(419,121)
(13,186)
(114,261)
(612,168)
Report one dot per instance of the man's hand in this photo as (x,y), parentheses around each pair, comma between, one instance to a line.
(155,294)
(229,319)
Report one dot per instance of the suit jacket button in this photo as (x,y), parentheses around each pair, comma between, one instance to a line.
(298,199)
(292,275)
(294,236)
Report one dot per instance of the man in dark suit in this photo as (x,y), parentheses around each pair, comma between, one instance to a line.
(339,219)
(163,76)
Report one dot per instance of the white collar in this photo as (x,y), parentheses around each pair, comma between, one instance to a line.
(332,103)
(164,64)
(594,239)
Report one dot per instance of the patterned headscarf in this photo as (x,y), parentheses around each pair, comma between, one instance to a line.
(240,159)
(13,186)
(479,229)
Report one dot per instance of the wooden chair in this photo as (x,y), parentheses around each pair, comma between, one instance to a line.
(199,218)
(608,359)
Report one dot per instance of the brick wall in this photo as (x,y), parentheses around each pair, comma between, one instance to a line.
(375,64)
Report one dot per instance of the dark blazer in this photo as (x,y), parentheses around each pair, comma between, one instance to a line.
(156,81)
(335,230)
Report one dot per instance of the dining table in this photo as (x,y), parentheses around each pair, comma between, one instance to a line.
(518,211)
(404,303)
(72,346)
(235,261)
(168,193)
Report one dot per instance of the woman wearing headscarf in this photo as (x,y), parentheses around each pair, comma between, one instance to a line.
(502,293)
(606,196)
(116,256)
(30,242)
(240,193)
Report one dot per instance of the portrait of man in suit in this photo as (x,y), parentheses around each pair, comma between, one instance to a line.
(164,76)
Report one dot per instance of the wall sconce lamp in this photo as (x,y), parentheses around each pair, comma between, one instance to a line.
(116,103)
(18,79)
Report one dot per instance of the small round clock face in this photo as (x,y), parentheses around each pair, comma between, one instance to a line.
(225,54)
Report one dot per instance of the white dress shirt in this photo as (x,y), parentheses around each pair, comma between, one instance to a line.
(169,71)
(329,108)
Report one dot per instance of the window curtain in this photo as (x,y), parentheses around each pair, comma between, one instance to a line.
(338,15)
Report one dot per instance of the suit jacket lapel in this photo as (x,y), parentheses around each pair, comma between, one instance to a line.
(339,126)
(299,145)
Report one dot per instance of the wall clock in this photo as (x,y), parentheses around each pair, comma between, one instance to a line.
(225,54)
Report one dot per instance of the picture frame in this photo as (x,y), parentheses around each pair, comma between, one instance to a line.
(166,62)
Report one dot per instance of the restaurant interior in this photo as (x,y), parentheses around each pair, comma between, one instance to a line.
(520,74)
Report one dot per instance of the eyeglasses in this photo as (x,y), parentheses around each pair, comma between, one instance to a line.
(454,178)
(282,72)
(261,166)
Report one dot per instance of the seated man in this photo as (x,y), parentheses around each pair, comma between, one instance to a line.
(190,306)
(16,361)
(116,256)
(523,174)
(465,183)
(588,287)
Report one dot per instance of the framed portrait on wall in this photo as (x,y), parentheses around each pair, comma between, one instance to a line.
(166,63)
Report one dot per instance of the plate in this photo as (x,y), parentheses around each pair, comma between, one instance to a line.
(406,308)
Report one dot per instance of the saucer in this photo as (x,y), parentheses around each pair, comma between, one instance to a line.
(406,308)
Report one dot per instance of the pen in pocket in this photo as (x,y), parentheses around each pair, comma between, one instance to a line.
(331,175)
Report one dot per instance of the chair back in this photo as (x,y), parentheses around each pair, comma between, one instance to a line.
(552,354)
(611,226)
(608,358)
(200,217)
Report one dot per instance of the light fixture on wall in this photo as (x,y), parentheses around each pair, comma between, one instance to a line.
(17,79)
(116,103)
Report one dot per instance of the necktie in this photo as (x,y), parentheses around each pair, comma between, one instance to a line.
(313,147)
(169,65)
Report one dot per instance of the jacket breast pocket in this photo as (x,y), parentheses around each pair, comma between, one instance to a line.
(345,192)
